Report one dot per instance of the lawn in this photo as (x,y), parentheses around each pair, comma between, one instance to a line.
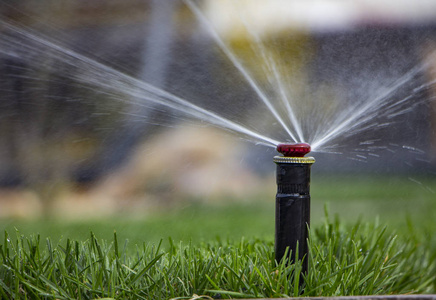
(376,238)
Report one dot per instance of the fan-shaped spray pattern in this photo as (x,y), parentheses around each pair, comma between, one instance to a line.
(96,75)
(316,127)
(236,62)
(308,120)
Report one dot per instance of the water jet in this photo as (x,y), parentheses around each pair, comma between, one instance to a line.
(292,202)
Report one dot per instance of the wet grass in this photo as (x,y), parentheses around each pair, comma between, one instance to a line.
(383,243)
(363,259)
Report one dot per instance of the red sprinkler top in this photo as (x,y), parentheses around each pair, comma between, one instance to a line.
(293,150)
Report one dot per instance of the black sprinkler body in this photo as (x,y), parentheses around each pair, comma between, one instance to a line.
(292,202)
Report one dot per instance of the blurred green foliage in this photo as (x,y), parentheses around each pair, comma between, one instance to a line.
(394,201)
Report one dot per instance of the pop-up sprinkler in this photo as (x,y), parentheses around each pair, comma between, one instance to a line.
(292,202)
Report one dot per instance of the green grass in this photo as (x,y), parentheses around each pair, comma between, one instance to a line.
(394,200)
(364,259)
(193,223)
(383,243)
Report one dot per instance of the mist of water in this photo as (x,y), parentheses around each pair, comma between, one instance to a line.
(315,120)
(310,119)
(24,44)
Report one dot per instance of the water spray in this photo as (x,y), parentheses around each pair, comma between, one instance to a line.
(292,202)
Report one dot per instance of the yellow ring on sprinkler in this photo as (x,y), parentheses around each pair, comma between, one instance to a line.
(294,160)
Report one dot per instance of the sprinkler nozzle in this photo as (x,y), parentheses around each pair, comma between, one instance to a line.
(293,202)
(293,150)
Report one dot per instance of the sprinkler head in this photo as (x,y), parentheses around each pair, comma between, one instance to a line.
(293,150)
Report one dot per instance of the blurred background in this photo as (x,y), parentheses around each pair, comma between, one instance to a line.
(74,151)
